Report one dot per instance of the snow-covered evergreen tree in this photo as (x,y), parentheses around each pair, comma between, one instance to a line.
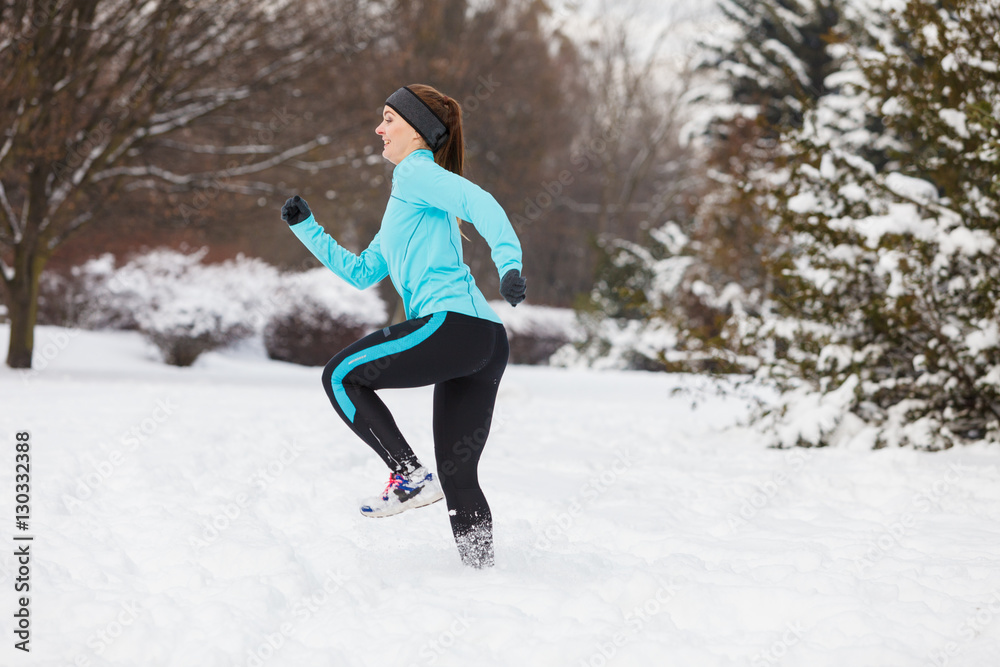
(776,61)
(667,302)
(888,306)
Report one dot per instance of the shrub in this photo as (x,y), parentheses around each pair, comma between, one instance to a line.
(319,315)
(535,333)
(186,308)
(86,297)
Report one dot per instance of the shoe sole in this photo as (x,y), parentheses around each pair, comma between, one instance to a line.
(408,506)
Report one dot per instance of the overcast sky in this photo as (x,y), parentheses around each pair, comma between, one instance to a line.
(683,19)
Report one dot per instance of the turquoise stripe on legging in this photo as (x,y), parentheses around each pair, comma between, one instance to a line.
(374,353)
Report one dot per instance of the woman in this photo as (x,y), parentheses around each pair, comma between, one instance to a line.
(451,338)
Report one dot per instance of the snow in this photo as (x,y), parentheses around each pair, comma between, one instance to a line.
(956,120)
(983,339)
(332,297)
(930,32)
(892,107)
(541,321)
(967,241)
(803,202)
(208,516)
(908,187)
(786,56)
(900,219)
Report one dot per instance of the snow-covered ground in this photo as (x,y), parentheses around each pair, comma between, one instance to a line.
(209,517)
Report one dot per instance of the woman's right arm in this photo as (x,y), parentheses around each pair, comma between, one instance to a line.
(361,271)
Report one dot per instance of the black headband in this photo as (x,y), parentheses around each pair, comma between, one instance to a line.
(416,112)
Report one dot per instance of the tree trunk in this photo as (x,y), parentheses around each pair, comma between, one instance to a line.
(22,290)
(22,309)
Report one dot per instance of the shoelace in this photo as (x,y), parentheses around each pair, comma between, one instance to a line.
(395,479)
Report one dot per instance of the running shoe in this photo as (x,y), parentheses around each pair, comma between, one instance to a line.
(404,492)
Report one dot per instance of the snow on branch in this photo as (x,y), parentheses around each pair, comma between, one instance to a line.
(166,122)
(8,272)
(12,222)
(209,149)
(74,225)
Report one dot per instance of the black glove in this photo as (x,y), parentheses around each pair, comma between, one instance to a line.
(512,287)
(295,210)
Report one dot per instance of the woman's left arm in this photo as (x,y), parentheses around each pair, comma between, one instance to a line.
(462,198)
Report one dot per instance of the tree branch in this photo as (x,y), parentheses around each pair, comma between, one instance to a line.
(211,177)
(10,217)
(244,188)
(6,272)
(74,225)
(584,207)
(208,149)
(62,192)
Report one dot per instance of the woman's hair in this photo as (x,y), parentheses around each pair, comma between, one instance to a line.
(451,156)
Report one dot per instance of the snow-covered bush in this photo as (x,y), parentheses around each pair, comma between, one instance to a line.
(185,307)
(535,333)
(888,306)
(85,297)
(317,315)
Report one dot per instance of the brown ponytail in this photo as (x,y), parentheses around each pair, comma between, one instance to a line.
(451,156)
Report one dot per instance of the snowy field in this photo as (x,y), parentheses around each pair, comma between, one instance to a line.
(209,517)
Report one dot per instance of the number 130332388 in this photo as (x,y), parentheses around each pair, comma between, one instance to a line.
(22,479)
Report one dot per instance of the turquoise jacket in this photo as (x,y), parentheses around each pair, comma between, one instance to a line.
(419,245)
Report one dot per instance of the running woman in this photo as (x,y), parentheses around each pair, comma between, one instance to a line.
(451,337)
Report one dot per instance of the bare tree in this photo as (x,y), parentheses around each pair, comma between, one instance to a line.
(88,85)
(631,146)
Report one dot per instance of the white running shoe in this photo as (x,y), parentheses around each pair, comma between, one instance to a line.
(404,492)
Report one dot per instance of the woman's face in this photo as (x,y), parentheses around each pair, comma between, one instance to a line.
(399,139)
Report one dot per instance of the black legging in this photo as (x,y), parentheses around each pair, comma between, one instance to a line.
(464,358)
